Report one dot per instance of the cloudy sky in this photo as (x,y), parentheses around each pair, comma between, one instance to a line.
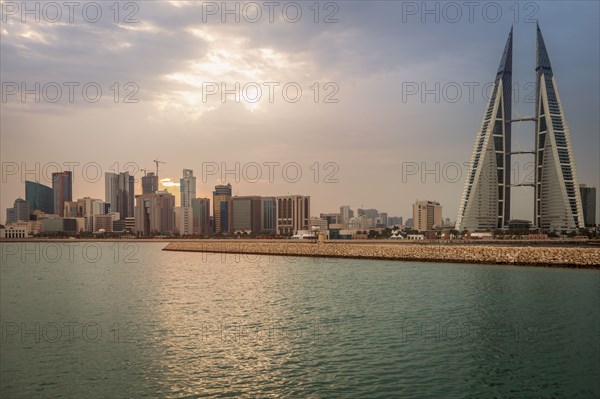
(364,103)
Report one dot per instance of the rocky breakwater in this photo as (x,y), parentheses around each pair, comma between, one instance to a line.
(502,255)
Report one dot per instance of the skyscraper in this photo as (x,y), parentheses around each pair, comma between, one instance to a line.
(201,216)
(426,215)
(119,193)
(40,197)
(557,197)
(346,213)
(62,187)
(588,202)
(111,184)
(222,208)
(485,203)
(149,183)
(155,213)
(187,187)
(126,194)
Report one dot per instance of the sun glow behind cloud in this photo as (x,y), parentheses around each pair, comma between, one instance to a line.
(229,64)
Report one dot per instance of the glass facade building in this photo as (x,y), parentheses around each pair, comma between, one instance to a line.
(40,197)
(201,216)
(62,188)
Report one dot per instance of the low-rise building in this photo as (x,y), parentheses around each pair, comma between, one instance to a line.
(14,232)
(103,222)
(59,225)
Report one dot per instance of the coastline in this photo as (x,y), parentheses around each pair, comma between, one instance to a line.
(545,256)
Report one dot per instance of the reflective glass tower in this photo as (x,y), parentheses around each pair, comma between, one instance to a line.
(187,187)
(62,189)
(40,197)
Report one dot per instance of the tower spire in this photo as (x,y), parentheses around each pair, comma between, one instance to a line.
(542,59)
(506,61)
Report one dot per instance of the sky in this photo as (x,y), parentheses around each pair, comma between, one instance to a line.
(371,104)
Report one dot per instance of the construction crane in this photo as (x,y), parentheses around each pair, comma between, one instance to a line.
(157,162)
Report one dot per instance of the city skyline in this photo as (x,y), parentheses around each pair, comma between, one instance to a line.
(368,134)
(323,198)
(157,212)
(114,182)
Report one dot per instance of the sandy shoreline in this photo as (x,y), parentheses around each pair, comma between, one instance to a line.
(484,254)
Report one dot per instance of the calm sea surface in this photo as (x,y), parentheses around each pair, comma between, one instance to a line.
(105,320)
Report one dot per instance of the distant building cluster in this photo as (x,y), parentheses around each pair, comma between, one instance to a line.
(159,211)
(154,212)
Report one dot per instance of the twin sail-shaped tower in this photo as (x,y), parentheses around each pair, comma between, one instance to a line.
(485,204)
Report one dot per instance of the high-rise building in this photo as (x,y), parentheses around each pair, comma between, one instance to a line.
(120,193)
(62,188)
(557,198)
(485,204)
(222,208)
(293,214)
(246,212)
(155,213)
(22,209)
(19,211)
(168,185)
(268,215)
(346,213)
(184,220)
(371,213)
(10,215)
(111,186)
(187,187)
(426,215)
(87,208)
(201,216)
(127,193)
(395,221)
(40,197)
(588,202)
(149,183)
(384,219)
